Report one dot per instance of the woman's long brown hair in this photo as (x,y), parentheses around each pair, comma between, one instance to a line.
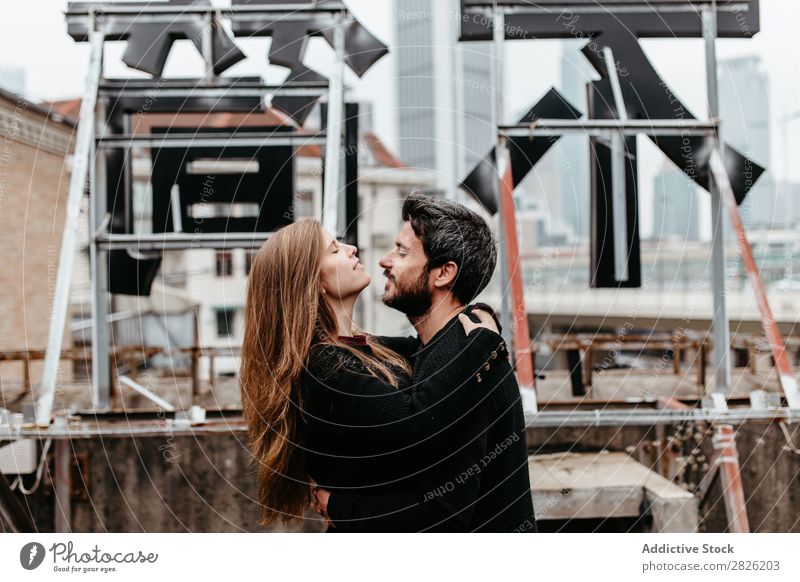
(285,315)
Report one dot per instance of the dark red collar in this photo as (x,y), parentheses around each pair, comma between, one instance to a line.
(354,340)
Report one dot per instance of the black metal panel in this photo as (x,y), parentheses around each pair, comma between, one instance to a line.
(143,96)
(482,181)
(567,24)
(602,226)
(271,187)
(132,274)
(149,44)
(350,152)
(351,173)
(575,366)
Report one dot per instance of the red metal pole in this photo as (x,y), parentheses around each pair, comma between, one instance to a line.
(786,377)
(523,354)
(732,489)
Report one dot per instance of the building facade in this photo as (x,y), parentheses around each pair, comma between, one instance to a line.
(34,155)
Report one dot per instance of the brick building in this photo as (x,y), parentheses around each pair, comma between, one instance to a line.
(34,181)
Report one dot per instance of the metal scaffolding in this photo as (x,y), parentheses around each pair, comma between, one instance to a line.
(722,198)
(89,172)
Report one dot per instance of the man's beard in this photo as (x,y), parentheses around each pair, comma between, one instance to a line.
(414,301)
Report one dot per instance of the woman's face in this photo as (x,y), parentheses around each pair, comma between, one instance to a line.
(343,275)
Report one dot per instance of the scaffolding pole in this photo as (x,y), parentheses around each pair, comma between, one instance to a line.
(333,195)
(725,437)
(69,241)
(515,328)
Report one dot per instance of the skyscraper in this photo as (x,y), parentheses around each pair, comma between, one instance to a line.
(444,92)
(745,114)
(575,73)
(676,205)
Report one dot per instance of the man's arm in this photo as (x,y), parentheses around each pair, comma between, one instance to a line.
(405,346)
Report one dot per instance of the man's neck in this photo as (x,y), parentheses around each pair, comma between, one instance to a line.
(440,313)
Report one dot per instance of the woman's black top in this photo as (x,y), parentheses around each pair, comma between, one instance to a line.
(362,432)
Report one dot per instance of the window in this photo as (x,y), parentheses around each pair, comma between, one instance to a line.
(248,261)
(226,317)
(224,263)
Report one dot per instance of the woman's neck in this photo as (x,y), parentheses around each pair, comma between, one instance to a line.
(343,310)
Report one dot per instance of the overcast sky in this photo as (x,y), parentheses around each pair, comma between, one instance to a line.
(34,38)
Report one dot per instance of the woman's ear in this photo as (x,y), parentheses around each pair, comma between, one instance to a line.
(447,275)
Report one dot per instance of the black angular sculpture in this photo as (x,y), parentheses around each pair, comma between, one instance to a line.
(482,181)
(644,93)
(288,46)
(149,43)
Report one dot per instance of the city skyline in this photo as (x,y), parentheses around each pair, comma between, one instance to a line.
(56,69)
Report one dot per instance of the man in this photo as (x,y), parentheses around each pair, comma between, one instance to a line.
(443,258)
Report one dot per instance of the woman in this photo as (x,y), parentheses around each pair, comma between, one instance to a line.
(321,402)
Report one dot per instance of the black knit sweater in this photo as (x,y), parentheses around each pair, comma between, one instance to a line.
(443,452)
(358,426)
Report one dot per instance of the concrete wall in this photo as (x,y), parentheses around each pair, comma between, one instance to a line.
(207,484)
(771,480)
(168,484)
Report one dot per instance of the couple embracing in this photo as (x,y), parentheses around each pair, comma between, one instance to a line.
(384,434)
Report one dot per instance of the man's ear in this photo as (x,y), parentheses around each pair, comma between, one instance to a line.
(445,276)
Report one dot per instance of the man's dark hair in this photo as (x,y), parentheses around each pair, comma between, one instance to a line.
(452,232)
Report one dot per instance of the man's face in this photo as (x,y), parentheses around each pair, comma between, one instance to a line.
(407,279)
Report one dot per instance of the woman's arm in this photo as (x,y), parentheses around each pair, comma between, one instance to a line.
(380,418)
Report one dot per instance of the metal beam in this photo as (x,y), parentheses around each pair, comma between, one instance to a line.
(69,239)
(786,376)
(270,9)
(183,140)
(605,127)
(724,437)
(62,486)
(619,199)
(593,7)
(98,259)
(496,68)
(176,241)
(557,419)
(722,367)
(147,393)
(333,193)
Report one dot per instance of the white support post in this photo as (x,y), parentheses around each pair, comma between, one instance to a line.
(147,393)
(499,156)
(619,201)
(332,215)
(98,259)
(207,43)
(721,330)
(84,147)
